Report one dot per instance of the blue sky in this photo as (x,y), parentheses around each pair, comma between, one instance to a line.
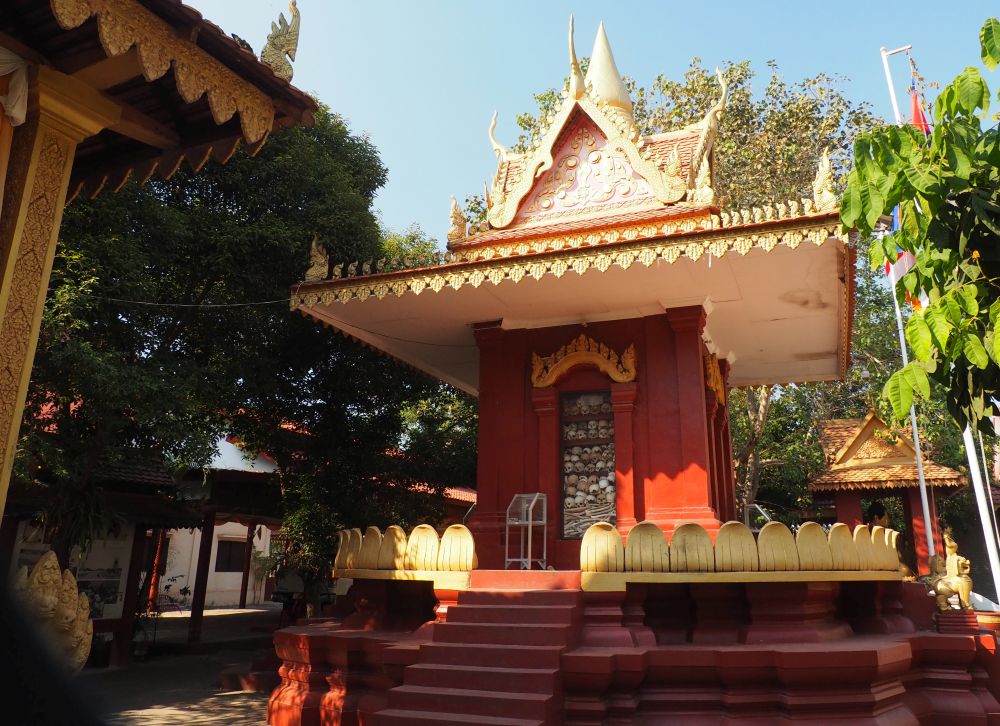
(422,78)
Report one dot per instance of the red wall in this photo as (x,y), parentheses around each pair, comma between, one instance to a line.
(680,465)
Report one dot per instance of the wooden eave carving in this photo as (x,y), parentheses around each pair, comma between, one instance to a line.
(584,350)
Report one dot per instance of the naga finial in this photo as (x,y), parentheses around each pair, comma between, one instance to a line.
(499,150)
(283,40)
(577,87)
(458,230)
(709,127)
(823,195)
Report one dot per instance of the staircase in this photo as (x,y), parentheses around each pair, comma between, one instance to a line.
(495,661)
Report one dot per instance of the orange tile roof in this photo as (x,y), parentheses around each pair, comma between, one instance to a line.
(862,470)
(898,476)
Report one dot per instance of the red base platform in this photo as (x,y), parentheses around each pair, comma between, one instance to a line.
(549,653)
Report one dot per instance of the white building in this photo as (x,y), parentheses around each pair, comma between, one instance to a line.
(225,568)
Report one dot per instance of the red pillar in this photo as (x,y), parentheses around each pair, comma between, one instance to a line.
(247,558)
(914,512)
(201,577)
(545,401)
(123,638)
(623,396)
(486,522)
(848,505)
(154,572)
(679,488)
(729,474)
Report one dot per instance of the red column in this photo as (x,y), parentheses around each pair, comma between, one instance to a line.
(914,511)
(486,522)
(848,505)
(201,577)
(623,396)
(247,558)
(711,412)
(545,401)
(728,474)
(683,494)
(123,637)
(154,571)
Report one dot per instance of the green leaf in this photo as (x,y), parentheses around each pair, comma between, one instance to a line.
(989,43)
(918,334)
(939,325)
(972,92)
(850,203)
(975,351)
(994,312)
(968,300)
(916,376)
(921,177)
(899,393)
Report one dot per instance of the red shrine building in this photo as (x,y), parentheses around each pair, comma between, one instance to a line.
(601,312)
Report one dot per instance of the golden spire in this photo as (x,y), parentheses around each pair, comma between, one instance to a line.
(577,87)
(603,77)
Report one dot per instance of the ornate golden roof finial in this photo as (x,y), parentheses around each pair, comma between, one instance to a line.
(577,86)
(499,150)
(281,41)
(823,195)
(456,233)
(709,127)
(605,81)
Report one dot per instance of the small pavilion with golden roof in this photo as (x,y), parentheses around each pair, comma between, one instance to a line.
(865,460)
(601,311)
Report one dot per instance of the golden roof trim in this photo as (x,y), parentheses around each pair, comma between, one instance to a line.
(123,24)
(583,350)
(623,247)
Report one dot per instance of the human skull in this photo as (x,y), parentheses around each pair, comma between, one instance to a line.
(571,491)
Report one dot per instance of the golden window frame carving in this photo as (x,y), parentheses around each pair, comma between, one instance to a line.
(584,350)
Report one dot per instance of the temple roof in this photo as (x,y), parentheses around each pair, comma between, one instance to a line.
(864,454)
(183,88)
(598,222)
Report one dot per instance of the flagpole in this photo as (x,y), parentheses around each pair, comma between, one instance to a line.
(984,508)
(924,504)
(888,79)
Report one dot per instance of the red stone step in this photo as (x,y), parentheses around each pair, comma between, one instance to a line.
(519,597)
(509,680)
(478,703)
(525,579)
(391,716)
(534,614)
(478,654)
(503,633)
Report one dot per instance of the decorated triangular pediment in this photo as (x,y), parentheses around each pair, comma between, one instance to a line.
(590,158)
(874,444)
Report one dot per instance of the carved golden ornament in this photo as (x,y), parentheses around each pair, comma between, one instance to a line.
(504,264)
(30,255)
(282,42)
(63,612)
(713,378)
(516,173)
(459,223)
(823,195)
(122,24)
(546,370)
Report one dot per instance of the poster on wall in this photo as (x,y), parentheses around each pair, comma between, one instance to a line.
(102,575)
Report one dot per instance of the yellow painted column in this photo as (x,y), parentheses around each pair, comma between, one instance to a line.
(62,112)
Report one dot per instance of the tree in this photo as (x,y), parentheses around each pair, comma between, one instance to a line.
(947,190)
(167,325)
